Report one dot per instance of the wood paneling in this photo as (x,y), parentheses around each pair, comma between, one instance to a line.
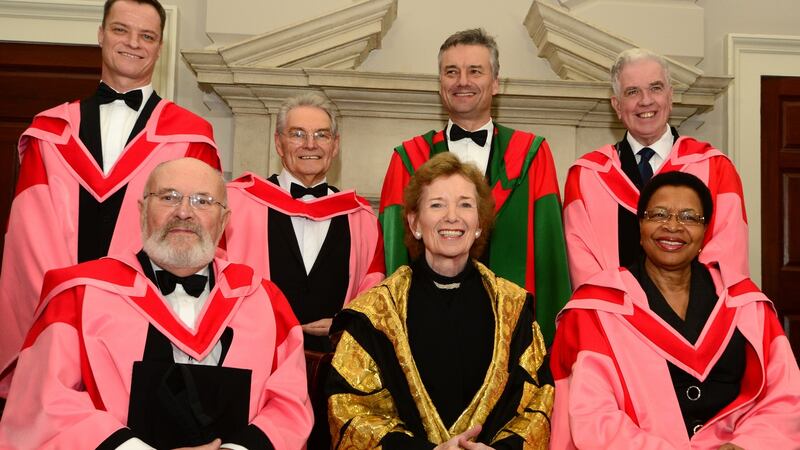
(780,199)
(36,77)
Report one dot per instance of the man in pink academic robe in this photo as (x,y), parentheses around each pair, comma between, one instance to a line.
(166,348)
(83,166)
(613,385)
(253,198)
(320,246)
(602,187)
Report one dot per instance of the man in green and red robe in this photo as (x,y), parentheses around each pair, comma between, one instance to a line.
(527,245)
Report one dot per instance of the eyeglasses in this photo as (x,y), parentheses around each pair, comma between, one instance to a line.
(174,198)
(299,136)
(685,217)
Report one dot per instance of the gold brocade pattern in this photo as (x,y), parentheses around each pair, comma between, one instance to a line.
(531,422)
(373,414)
(357,367)
(536,403)
(386,308)
(533,357)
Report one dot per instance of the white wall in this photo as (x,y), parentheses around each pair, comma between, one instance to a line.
(412,44)
(722,17)
(192,34)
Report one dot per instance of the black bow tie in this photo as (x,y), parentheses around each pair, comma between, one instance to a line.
(194,285)
(457,133)
(299,191)
(107,95)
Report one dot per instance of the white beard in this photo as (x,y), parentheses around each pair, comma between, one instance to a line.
(165,254)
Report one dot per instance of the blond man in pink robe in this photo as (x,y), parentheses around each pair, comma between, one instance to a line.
(83,166)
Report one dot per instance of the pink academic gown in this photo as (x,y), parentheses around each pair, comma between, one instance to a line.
(42,230)
(74,372)
(250,197)
(596,186)
(613,386)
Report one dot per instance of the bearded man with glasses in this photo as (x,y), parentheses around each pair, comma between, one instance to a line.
(168,347)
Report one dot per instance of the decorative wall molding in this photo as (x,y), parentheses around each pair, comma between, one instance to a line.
(748,58)
(337,40)
(253,78)
(579,50)
(578,3)
(416,96)
(76,22)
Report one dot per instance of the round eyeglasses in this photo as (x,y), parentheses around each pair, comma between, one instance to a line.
(174,198)
(299,136)
(685,217)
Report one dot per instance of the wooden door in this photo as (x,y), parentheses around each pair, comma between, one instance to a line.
(780,199)
(36,77)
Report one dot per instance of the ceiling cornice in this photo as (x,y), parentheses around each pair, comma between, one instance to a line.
(341,39)
(579,50)
(256,75)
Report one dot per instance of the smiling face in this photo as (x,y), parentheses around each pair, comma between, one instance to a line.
(130,41)
(447,219)
(671,245)
(309,160)
(644,100)
(467,85)
(180,238)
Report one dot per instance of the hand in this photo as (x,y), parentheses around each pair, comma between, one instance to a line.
(729,446)
(319,327)
(469,445)
(456,442)
(213,445)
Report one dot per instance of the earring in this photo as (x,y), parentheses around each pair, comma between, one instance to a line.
(418,234)
(477,233)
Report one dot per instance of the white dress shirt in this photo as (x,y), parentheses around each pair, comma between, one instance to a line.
(116,123)
(662,147)
(310,234)
(188,308)
(468,151)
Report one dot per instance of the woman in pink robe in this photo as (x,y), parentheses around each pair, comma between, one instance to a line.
(669,353)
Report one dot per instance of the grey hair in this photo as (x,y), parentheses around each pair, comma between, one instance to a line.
(474,36)
(309,99)
(632,55)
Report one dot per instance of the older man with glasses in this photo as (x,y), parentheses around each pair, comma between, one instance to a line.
(603,186)
(319,245)
(168,347)
(322,247)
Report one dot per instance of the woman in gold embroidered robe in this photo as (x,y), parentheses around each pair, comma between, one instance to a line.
(443,354)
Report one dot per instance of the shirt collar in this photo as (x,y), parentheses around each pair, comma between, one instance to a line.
(662,147)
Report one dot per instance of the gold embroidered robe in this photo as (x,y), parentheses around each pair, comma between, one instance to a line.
(375,387)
